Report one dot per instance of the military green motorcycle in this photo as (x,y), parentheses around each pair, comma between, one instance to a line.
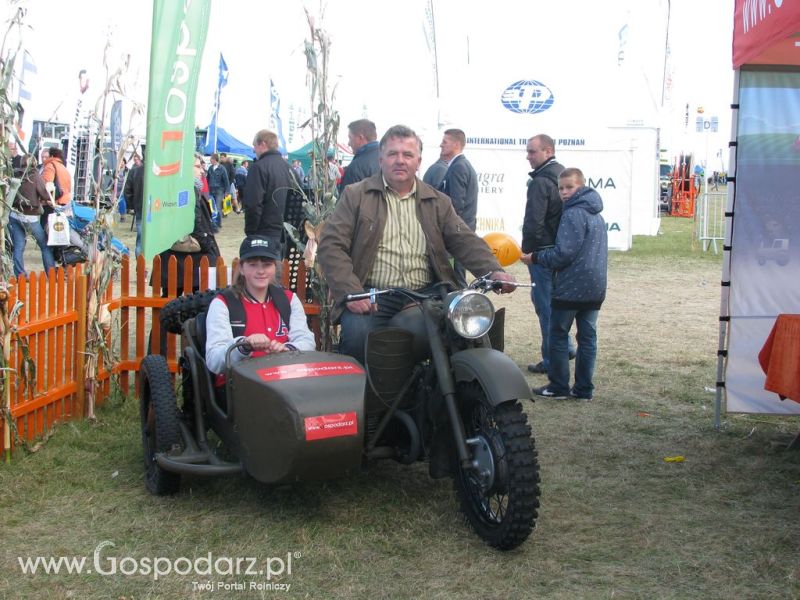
(435,387)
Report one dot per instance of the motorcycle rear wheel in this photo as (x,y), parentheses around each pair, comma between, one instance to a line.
(501,503)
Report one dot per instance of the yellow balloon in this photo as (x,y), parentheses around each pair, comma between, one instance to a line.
(504,247)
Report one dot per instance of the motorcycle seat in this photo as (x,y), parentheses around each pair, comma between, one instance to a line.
(195,330)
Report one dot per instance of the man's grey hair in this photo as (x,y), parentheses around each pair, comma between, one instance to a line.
(402,132)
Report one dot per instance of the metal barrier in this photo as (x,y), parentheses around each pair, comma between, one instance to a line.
(711,220)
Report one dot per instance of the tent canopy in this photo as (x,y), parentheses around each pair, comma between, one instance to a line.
(765,36)
(227,143)
(304,155)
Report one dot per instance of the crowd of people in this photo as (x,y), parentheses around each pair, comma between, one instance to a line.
(389,229)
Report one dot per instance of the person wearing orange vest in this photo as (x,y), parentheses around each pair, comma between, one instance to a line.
(54,171)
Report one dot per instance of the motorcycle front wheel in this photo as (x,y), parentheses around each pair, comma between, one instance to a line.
(500,499)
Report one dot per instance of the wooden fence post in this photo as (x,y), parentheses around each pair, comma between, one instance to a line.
(6,375)
(80,346)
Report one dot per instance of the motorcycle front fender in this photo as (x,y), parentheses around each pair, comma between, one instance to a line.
(496,373)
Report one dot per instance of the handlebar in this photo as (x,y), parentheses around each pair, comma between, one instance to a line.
(486,284)
(240,344)
(374,292)
(483,284)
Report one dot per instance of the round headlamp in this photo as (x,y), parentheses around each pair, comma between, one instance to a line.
(470,313)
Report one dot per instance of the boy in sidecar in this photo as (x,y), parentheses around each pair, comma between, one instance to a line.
(269,318)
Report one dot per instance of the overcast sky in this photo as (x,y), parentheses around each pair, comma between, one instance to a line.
(382,64)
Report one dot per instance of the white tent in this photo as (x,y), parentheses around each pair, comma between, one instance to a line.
(602,106)
(761,267)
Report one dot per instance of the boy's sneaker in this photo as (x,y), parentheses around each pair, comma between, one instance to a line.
(579,397)
(545,392)
(537,368)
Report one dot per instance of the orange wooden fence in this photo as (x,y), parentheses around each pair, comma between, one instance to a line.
(50,338)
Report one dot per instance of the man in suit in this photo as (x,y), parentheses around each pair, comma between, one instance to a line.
(460,182)
(435,173)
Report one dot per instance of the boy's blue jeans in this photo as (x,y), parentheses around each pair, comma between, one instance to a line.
(560,323)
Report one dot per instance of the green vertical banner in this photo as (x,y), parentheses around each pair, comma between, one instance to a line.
(179,34)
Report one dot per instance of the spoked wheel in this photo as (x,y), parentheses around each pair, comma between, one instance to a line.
(500,499)
(160,429)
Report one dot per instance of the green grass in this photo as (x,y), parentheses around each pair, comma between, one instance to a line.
(616,521)
(671,242)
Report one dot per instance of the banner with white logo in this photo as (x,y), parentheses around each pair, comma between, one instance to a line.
(503,180)
(179,34)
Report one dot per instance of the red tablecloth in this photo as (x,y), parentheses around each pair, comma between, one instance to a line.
(780,358)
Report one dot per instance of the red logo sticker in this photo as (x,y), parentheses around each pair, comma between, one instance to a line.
(319,369)
(334,425)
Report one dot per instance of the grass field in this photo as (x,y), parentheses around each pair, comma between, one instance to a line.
(616,520)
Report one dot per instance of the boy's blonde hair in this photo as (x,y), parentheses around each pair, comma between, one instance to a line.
(573,172)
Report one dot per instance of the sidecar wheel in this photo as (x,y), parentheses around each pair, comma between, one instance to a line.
(160,429)
(502,501)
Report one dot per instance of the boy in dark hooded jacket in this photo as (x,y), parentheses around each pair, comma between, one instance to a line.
(579,261)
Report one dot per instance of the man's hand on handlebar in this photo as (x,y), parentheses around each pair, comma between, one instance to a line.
(506,288)
(360,307)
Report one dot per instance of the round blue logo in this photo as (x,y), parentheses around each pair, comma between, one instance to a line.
(527,97)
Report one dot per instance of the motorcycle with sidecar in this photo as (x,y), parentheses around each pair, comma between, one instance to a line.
(435,386)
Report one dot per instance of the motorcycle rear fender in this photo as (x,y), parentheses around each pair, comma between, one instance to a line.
(496,373)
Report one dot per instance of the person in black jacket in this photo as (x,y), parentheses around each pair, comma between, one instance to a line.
(460,182)
(134,193)
(363,139)
(539,229)
(269,180)
(218,186)
(230,168)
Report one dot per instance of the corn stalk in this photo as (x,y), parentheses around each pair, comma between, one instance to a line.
(324,126)
(103,265)
(9,136)
(9,133)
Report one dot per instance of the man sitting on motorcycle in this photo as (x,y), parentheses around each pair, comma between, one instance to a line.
(393,230)
(254,311)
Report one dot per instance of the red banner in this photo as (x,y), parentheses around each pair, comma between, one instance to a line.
(334,425)
(763,32)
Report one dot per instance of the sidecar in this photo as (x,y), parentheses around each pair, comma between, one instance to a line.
(295,416)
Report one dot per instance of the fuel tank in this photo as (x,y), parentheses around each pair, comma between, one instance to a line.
(411,319)
(299,415)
